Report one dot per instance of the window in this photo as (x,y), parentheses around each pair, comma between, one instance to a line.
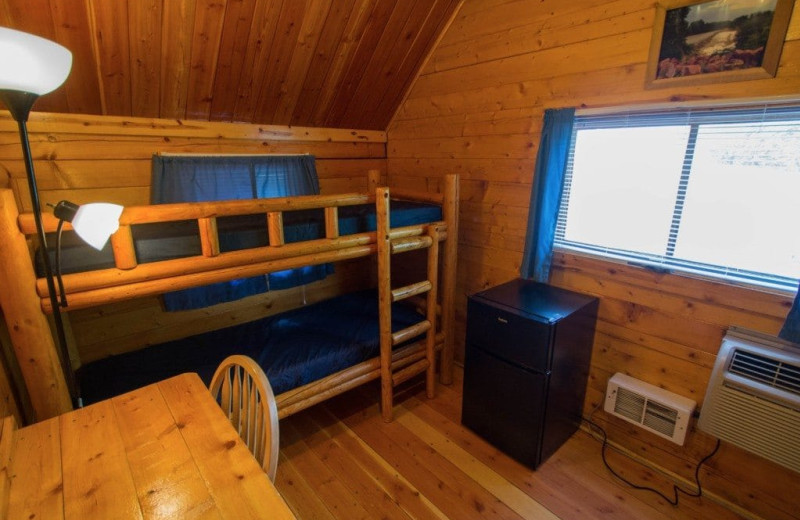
(714,192)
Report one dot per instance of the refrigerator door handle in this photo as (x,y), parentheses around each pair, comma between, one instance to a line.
(508,362)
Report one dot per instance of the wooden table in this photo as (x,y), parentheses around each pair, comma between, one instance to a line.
(162,451)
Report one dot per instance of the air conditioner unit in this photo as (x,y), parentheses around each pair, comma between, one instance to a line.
(662,412)
(753,397)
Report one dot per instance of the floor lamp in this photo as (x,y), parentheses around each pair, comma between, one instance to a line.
(30,67)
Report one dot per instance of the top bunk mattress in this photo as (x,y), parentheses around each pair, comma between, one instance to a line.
(294,348)
(180,239)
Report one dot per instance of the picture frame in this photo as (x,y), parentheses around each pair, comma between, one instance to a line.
(698,42)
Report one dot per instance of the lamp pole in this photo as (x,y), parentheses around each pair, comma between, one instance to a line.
(19,104)
(31,66)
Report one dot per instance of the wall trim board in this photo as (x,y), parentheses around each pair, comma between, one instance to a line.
(688,103)
(44,122)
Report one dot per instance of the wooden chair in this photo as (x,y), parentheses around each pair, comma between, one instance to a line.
(243,392)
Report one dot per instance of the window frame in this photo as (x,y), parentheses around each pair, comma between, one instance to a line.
(694,116)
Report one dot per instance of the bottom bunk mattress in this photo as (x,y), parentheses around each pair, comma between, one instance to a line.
(294,348)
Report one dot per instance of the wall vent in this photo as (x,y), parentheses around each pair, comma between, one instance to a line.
(664,413)
(753,397)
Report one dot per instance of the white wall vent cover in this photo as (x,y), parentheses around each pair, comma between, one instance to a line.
(753,397)
(664,413)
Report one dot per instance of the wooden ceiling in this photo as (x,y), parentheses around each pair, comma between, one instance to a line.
(324,63)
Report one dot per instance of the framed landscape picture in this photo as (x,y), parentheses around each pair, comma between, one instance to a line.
(718,40)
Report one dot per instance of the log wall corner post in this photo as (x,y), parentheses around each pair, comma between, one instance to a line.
(28,326)
(449,276)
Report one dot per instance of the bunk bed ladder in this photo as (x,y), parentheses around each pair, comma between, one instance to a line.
(393,374)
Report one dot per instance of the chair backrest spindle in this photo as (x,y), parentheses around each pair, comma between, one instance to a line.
(243,392)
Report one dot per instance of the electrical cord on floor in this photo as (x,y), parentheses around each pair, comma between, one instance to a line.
(676,490)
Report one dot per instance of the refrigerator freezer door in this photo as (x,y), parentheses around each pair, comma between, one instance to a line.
(517,339)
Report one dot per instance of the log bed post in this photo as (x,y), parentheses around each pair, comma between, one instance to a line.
(122,246)
(209,236)
(449,274)
(373,181)
(384,299)
(28,327)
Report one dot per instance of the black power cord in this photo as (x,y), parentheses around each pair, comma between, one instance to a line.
(62,293)
(675,488)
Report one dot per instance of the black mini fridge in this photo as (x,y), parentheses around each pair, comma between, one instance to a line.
(526,366)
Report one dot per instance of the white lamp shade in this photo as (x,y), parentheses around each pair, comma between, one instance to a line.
(96,222)
(31,64)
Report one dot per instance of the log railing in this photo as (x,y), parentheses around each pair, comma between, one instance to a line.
(130,279)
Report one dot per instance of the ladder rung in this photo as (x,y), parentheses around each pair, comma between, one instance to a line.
(409,372)
(401,245)
(401,293)
(410,332)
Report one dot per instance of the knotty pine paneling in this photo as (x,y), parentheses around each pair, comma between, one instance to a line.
(324,88)
(90,158)
(476,109)
(144,26)
(280,106)
(97,158)
(83,94)
(343,63)
(209,18)
(342,16)
(177,25)
(109,24)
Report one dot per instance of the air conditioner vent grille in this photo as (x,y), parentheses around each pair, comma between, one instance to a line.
(765,370)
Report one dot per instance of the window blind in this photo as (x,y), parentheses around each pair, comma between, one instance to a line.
(733,183)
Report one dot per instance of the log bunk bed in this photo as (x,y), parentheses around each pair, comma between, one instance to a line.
(402,353)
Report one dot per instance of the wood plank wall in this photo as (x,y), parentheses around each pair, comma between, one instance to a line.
(476,109)
(96,158)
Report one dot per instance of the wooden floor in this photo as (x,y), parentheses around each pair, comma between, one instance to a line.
(339,460)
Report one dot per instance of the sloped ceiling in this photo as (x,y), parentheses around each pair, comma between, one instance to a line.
(324,63)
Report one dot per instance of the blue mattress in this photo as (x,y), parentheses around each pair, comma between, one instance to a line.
(165,241)
(294,348)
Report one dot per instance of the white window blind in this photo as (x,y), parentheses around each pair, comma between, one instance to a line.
(714,192)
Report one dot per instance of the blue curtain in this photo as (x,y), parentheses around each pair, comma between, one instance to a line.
(206,178)
(791,327)
(548,181)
